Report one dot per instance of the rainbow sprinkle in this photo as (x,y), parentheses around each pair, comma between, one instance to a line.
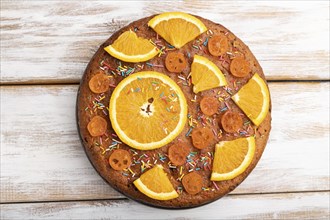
(215,185)
(196,47)
(205,42)
(189,131)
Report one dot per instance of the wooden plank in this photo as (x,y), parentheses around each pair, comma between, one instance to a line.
(272,206)
(52,41)
(42,158)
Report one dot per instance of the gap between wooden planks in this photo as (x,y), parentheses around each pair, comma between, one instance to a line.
(279,206)
(42,158)
(290,39)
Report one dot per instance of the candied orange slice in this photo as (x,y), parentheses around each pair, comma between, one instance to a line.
(218,45)
(192,183)
(209,105)
(202,137)
(120,159)
(97,126)
(231,122)
(239,67)
(99,83)
(175,62)
(177,153)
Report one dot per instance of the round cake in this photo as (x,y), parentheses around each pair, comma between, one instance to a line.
(174,111)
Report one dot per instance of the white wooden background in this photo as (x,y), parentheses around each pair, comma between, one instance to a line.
(45,47)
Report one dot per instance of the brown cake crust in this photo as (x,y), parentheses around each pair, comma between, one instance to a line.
(97,148)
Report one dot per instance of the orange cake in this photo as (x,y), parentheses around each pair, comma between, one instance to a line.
(174,111)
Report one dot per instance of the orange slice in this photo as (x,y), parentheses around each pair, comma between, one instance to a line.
(253,99)
(231,158)
(206,75)
(177,28)
(131,48)
(155,184)
(147,110)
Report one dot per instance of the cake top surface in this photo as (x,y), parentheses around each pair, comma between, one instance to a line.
(178,110)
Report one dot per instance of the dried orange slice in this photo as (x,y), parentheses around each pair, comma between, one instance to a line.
(202,137)
(177,153)
(218,45)
(155,184)
(192,183)
(231,122)
(175,62)
(131,48)
(231,158)
(97,126)
(147,110)
(253,99)
(206,75)
(99,83)
(209,105)
(120,159)
(177,28)
(239,67)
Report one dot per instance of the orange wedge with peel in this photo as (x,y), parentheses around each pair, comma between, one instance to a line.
(155,184)
(231,158)
(177,28)
(253,99)
(206,75)
(131,48)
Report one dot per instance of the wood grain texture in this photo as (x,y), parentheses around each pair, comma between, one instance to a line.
(290,39)
(273,206)
(42,158)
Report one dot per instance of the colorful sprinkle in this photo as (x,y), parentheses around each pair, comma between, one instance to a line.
(170,46)
(247,123)
(189,131)
(223,109)
(182,78)
(196,47)
(215,185)
(206,41)
(116,141)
